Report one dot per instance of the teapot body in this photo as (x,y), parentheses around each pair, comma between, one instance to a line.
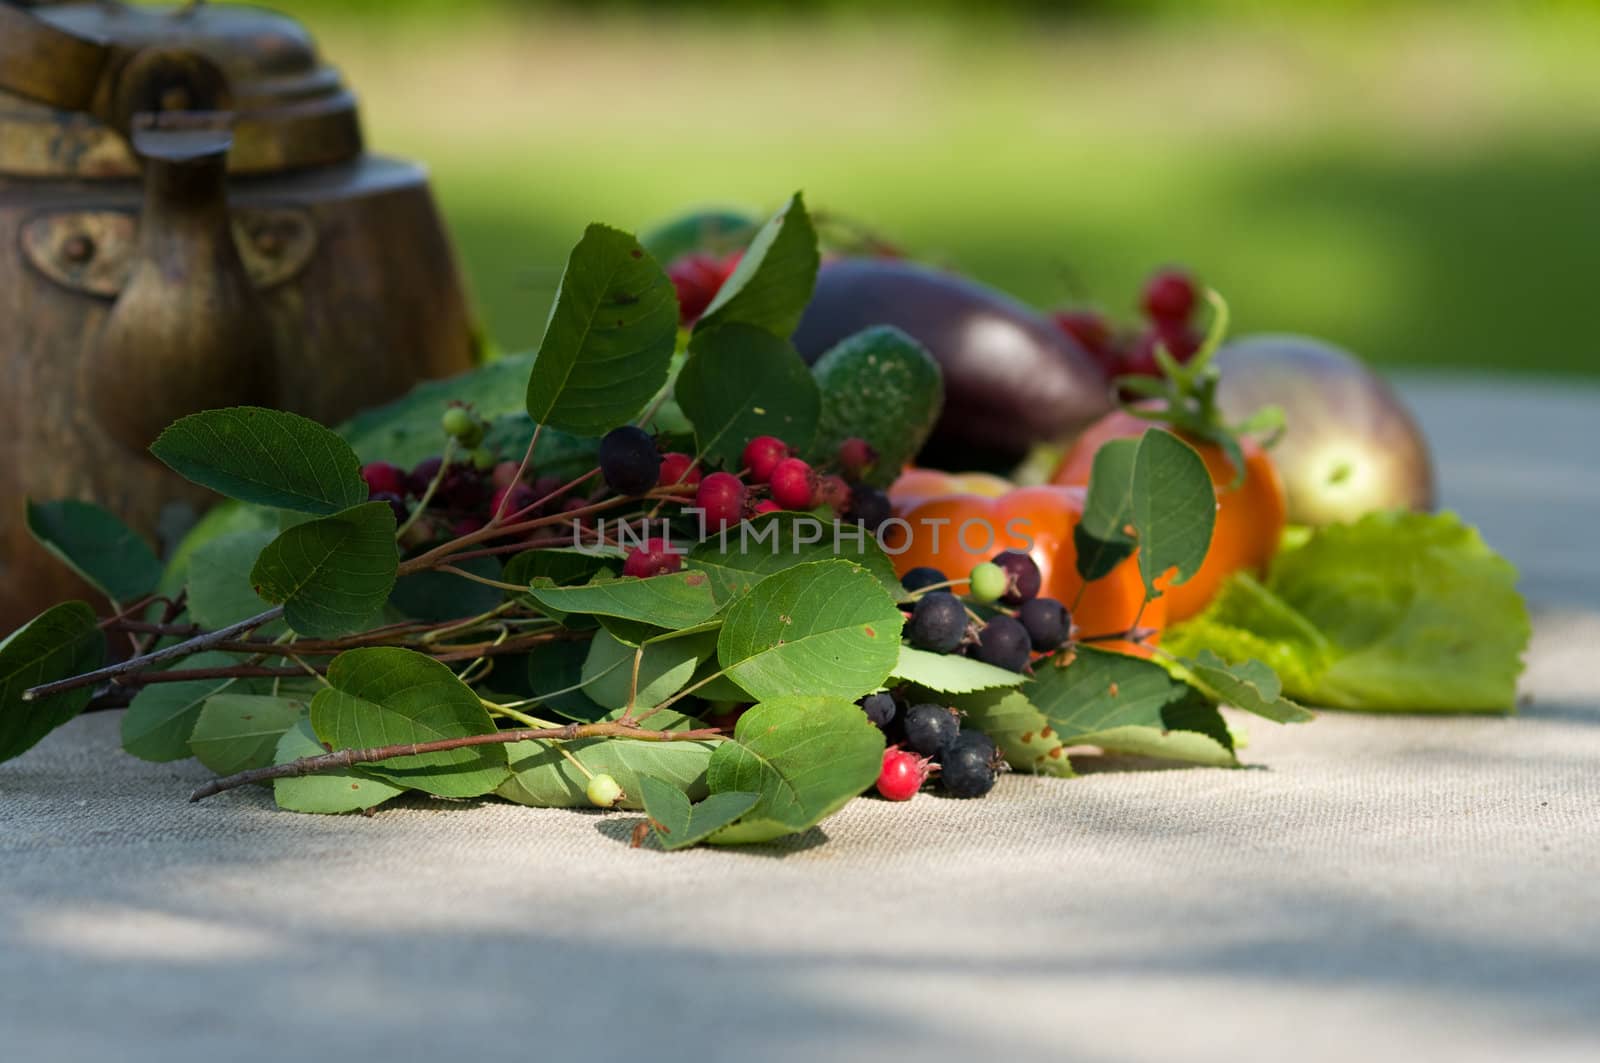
(356,284)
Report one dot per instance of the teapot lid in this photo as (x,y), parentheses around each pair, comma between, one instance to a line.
(73,75)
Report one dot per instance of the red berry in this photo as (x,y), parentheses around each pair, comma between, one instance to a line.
(730,263)
(677,468)
(1140,357)
(766,505)
(384,479)
(1181,341)
(545,486)
(902,774)
(516,498)
(504,474)
(1089,327)
(720,499)
(655,558)
(761,455)
(697,277)
(856,458)
(834,493)
(1170,296)
(794,485)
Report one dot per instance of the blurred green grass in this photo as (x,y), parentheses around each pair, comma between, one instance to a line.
(1423,187)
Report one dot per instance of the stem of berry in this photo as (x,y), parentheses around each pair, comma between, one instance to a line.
(346,758)
(134,664)
(527,458)
(433,486)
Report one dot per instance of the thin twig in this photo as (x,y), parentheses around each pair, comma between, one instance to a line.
(134,664)
(346,758)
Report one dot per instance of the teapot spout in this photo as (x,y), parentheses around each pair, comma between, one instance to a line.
(189,330)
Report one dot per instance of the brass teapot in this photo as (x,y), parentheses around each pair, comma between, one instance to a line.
(188,220)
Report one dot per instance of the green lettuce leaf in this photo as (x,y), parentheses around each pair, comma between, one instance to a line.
(1403,612)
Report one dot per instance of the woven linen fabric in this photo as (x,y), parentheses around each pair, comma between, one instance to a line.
(1372,887)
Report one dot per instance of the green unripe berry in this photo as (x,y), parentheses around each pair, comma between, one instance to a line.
(603,791)
(988,582)
(458,422)
(483,459)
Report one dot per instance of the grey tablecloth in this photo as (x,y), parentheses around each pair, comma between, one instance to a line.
(1405,888)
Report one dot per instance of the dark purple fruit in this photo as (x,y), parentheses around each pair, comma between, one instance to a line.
(969,766)
(1003,642)
(1022,576)
(1011,377)
(1047,622)
(930,728)
(938,623)
(629,460)
(922,576)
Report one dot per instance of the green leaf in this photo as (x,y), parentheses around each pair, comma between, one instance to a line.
(268,457)
(386,696)
(806,757)
(741,382)
(717,231)
(333,574)
(220,591)
(437,596)
(560,566)
(238,732)
(665,665)
(554,668)
(678,824)
(610,337)
(882,386)
(1019,729)
(1404,612)
(97,546)
(1250,686)
(752,550)
(542,777)
(950,674)
(161,717)
(1102,537)
(63,641)
(678,600)
(823,628)
(407,430)
(329,792)
(775,278)
(1121,704)
(1174,508)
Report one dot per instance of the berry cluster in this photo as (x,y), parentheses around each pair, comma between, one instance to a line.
(928,738)
(770,478)
(461,496)
(698,276)
(1168,304)
(1018,623)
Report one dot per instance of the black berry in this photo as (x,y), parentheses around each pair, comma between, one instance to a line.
(938,623)
(396,503)
(969,766)
(1022,576)
(1004,643)
(879,707)
(1047,622)
(922,576)
(930,728)
(462,488)
(868,506)
(422,475)
(629,460)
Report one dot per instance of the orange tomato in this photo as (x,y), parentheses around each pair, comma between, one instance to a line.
(1250,515)
(954,529)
